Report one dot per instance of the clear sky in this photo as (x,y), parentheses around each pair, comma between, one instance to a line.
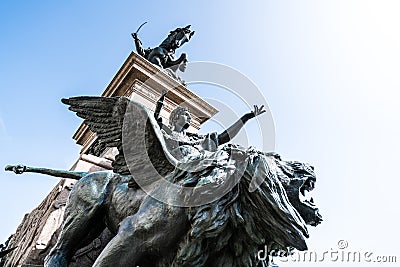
(329,71)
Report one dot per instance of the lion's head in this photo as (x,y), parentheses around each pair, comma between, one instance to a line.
(299,180)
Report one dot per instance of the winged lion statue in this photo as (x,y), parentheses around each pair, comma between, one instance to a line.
(176,198)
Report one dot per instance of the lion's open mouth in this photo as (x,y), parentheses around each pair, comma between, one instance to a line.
(305,197)
(299,194)
(308,210)
(305,190)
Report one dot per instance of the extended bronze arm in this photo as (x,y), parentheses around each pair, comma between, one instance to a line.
(138,43)
(19,169)
(234,129)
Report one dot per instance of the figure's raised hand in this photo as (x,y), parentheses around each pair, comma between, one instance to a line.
(258,110)
(136,38)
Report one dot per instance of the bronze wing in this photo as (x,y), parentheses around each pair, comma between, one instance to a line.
(131,128)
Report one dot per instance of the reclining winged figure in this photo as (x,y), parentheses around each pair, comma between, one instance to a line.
(181,199)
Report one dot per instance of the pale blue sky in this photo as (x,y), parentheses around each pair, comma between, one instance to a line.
(329,71)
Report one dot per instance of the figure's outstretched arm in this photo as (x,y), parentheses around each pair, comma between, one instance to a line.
(19,169)
(234,129)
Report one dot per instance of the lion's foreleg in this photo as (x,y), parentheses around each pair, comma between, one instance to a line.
(83,219)
(153,231)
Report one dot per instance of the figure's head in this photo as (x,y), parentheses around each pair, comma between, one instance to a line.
(183,65)
(180,119)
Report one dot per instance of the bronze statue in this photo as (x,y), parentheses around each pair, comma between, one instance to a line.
(227,231)
(164,54)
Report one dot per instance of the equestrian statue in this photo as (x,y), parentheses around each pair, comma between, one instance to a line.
(164,55)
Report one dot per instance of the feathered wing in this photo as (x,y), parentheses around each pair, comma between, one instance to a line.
(129,126)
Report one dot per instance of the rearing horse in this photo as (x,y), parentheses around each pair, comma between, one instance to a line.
(164,54)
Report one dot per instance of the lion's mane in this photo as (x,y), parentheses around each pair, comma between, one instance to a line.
(231,230)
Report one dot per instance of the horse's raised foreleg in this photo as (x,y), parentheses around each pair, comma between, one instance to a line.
(149,235)
(83,218)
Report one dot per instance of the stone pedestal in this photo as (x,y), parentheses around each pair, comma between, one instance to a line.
(143,82)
